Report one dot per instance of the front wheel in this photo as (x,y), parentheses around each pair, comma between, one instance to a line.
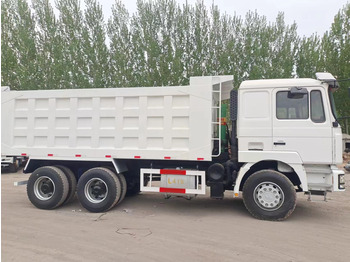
(269,195)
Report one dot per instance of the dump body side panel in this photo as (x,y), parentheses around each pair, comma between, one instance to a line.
(124,123)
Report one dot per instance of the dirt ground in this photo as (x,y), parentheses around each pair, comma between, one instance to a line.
(148,227)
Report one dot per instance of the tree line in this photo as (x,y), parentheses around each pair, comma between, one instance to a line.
(162,43)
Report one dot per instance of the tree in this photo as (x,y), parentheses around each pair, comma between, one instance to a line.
(122,63)
(8,55)
(94,46)
(19,46)
(339,52)
(71,23)
(308,57)
(284,49)
(49,45)
(199,58)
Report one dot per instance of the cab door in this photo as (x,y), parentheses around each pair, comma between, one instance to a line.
(300,124)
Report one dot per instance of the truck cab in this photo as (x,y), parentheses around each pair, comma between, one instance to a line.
(291,124)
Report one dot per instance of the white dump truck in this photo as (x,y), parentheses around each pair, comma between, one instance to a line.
(282,137)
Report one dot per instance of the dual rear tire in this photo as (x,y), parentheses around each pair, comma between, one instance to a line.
(48,187)
(98,189)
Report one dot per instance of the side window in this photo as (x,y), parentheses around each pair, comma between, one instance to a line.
(317,110)
(289,107)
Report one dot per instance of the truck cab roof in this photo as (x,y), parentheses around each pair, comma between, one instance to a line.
(274,83)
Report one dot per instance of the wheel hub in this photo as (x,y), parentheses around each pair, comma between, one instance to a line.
(268,196)
(96,190)
(46,188)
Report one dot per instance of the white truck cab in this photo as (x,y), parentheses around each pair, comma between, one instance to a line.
(293,122)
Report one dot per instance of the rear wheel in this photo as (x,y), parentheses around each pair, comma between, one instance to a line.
(47,187)
(269,195)
(99,189)
(122,181)
(72,182)
(124,187)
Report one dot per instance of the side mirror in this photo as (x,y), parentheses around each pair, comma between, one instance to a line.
(297,92)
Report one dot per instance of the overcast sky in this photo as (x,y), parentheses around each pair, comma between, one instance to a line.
(311,16)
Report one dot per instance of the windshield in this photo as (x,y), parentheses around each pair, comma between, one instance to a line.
(331,100)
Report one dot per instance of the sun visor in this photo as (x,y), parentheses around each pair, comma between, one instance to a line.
(328,78)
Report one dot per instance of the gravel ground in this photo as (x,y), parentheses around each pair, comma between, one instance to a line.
(148,227)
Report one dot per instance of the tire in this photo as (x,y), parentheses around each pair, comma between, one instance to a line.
(124,187)
(47,187)
(99,189)
(72,182)
(122,181)
(269,195)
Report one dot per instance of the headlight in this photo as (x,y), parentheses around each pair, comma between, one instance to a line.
(341,181)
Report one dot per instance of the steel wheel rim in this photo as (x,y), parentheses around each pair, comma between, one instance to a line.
(44,188)
(96,190)
(268,196)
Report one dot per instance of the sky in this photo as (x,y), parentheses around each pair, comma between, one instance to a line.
(311,16)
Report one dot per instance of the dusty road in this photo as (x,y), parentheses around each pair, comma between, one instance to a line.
(148,227)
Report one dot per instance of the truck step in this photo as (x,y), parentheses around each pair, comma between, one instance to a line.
(317,193)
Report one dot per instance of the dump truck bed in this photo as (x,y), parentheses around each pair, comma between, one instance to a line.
(125,123)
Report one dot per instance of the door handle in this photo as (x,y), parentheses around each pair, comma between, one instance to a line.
(279,143)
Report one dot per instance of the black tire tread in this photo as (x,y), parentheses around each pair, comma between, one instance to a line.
(115,181)
(63,182)
(122,180)
(72,182)
(289,186)
(124,187)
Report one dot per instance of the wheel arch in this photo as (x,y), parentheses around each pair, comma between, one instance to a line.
(294,172)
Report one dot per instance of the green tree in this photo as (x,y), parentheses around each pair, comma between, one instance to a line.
(71,23)
(184,44)
(122,61)
(94,46)
(284,49)
(167,11)
(19,46)
(199,58)
(49,46)
(147,25)
(339,52)
(8,55)
(308,57)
